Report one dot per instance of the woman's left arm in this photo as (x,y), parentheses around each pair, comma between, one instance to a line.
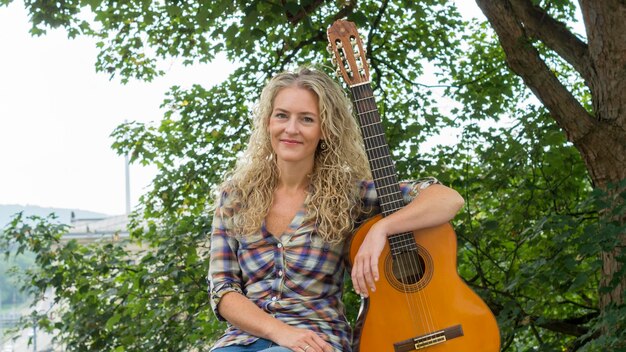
(435,205)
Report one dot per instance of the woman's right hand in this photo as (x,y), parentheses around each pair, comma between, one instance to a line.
(301,340)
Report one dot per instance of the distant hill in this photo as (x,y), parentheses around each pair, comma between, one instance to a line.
(64,215)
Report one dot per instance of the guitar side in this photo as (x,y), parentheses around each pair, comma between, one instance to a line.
(399,314)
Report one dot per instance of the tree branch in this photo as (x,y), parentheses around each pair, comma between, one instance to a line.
(346,8)
(555,35)
(571,326)
(317,37)
(525,61)
(304,11)
(606,33)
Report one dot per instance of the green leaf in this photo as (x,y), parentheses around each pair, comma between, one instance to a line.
(112,321)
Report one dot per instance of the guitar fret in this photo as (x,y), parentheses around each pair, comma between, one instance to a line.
(402,238)
(405,242)
(362,99)
(378,147)
(372,144)
(395,194)
(394,203)
(366,125)
(387,186)
(370,137)
(375,157)
(378,159)
(377,172)
(371,127)
(376,141)
(372,119)
(367,112)
(375,165)
(386,177)
(383,176)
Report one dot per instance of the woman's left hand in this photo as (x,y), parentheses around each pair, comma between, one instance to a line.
(365,267)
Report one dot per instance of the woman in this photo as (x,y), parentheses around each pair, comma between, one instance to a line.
(283,214)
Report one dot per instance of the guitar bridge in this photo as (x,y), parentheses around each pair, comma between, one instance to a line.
(430,339)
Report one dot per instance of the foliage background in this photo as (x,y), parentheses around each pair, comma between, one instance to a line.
(529,236)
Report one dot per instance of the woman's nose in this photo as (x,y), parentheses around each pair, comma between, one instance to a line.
(292,126)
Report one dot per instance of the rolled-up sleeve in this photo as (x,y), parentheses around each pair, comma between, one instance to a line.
(224,271)
(411,189)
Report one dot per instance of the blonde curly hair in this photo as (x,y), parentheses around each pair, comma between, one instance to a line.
(333,199)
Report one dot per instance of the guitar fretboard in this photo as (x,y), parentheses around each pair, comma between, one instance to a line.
(381,163)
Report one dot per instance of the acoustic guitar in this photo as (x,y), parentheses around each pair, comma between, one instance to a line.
(420,302)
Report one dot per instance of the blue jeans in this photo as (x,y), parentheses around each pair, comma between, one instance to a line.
(260,345)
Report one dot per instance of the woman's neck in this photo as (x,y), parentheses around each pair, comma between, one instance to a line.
(294,177)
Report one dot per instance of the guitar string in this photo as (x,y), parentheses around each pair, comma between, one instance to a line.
(413,266)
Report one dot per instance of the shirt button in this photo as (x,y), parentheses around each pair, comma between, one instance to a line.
(280,245)
(274,298)
(280,273)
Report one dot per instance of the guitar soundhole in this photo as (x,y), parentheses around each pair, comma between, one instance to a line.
(409,271)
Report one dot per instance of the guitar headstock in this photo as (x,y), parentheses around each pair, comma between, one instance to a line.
(348,52)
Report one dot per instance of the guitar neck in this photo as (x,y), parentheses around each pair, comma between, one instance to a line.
(377,149)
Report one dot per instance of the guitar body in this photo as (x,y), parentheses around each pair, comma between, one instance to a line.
(422,299)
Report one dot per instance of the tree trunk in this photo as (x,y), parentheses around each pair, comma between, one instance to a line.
(599,135)
(604,153)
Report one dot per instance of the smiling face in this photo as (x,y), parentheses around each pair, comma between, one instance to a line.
(295,127)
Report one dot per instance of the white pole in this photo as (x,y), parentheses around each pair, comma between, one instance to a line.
(127,184)
(127,169)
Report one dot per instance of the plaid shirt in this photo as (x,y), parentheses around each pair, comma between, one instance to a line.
(297,278)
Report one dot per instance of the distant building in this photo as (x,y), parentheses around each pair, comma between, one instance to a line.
(106,229)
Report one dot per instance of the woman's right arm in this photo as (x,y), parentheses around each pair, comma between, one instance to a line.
(248,317)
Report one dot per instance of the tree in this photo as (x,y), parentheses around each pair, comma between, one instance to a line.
(599,131)
(534,225)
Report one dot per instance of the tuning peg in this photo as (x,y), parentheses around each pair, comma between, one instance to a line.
(329,48)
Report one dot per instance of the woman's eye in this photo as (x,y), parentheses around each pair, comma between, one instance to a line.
(308,119)
(281,115)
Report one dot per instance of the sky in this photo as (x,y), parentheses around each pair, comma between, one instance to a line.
(57,114)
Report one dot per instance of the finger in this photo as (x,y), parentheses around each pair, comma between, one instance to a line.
(328,348)
(353,276)
(374,264)
(356,273)
(321,345)
(314,347)
(369,278)
(358,279)
(306,346)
